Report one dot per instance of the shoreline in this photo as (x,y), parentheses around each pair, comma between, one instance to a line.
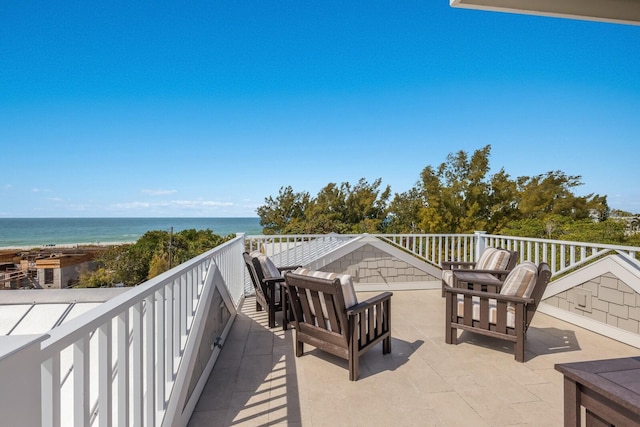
(64,245)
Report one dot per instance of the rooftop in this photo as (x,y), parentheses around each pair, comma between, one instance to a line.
(257,380)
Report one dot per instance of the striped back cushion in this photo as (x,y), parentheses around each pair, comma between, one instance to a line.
(493,259)
(485,256)
(521,280)
(269,269)
(447,277)
(348,291)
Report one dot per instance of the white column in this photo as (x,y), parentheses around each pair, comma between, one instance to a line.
(480,243)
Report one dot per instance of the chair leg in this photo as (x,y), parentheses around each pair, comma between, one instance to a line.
(272,317)
(258,306)
(519,349)
(450,334)
(299,348)
(353,367)
(386,345)
(284,302)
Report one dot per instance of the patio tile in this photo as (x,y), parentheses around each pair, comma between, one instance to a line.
(257,379)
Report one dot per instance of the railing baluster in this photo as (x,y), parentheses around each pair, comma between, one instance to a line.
(169,349)
(183,308)
(160,348)
(50,377)
(105,374)
(149,357)
(189,288)
(123,369)
(81,377)
(137,363)
(177,320)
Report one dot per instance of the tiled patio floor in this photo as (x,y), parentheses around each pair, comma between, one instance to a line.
(258,381)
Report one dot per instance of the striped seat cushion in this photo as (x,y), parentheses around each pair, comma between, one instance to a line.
(520,282)
(493,311)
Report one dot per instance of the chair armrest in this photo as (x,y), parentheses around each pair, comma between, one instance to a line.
(280,278)
(499,275)
(489,295)
(268,280)
(289,268)
(365,305)
(496,272)
(449,265)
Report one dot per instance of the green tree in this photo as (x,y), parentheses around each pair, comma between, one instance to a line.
(552,194)
(456,196)
(99,278)
(403,212)
(159,264)
(361,208)
(132,264)
(284,212)
(366,206)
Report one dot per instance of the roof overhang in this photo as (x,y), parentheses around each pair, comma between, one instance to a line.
(615,11)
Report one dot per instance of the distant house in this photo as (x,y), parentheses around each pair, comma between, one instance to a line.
(59,270)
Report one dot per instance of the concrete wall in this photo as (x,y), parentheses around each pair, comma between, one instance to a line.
(369,264)
(56,279)
(605,299)
(64,276)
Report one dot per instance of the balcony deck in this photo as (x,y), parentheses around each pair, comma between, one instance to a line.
(257,379)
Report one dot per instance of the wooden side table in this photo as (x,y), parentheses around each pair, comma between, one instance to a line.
(608,389)
(478,281)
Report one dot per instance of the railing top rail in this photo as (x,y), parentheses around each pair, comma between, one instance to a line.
(279,236)
(496,236)
(75,328)
(567,242)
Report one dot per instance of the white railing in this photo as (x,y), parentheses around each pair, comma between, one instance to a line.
(562,256)
(436,248)
(118,363)
(123,363)
(297,249)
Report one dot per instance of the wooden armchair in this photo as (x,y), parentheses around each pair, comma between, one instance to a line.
(324,320)
(505,315)
(267,280)
(492,267)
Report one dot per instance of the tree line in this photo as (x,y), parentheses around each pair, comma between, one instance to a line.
(154,253)
(458,196)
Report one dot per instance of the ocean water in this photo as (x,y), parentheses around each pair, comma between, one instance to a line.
(21,232)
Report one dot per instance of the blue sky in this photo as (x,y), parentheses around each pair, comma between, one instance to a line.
(204,108)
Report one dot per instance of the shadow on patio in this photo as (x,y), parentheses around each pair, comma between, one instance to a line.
(258,381)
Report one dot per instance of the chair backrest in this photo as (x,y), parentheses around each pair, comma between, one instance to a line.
(257,281)
(544,277)
(527,280)
(260,267)
(310,296)
(496,259)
